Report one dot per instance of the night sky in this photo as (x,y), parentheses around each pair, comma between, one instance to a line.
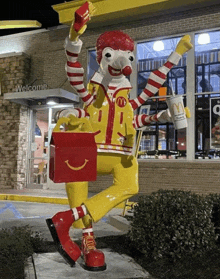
(39,10)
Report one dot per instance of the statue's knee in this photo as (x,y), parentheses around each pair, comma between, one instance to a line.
(133,189)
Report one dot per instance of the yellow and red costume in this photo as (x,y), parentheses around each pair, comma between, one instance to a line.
(111,115)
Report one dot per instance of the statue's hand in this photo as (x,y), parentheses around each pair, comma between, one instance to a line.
(74,35)
(187,112)
(184,45)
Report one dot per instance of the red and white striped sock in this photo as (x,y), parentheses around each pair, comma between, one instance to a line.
(79,212)
(88,231)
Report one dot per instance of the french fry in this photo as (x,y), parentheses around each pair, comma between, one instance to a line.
(83,15)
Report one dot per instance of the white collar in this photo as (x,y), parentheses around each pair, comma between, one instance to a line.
(121,83)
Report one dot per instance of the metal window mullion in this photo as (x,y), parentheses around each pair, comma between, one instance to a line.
(190,100)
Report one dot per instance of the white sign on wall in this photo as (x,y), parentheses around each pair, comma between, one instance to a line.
(21,88)
(215,123)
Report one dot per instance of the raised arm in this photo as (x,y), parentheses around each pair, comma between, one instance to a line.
(73,45)
(158,77)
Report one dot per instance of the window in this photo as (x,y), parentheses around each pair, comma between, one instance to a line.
(161,138)
(207,81)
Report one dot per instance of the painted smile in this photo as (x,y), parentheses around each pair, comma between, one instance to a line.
(114,72)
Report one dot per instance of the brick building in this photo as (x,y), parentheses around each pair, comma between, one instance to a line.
(36,58)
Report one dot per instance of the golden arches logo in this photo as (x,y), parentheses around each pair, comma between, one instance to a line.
(121,102)
(179,107)
(76,168)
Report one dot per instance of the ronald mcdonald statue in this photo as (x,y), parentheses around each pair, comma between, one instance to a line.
(111,114)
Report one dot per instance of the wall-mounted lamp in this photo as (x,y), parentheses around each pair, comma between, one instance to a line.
(203,39)
(158,46)
(52,101)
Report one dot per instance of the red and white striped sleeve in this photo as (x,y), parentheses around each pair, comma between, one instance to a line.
(155,81)
(79,113)
(75,71)
(142,120)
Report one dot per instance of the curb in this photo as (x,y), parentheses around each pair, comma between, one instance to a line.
(23,198)
(119,222)
(27,198)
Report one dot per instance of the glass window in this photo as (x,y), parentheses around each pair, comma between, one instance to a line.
(93,65)
(207,80)
(165,142)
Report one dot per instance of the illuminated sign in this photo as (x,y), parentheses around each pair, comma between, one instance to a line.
(21,88)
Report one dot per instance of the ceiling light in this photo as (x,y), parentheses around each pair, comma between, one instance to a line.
(52,101)
(158,46)
(203,39)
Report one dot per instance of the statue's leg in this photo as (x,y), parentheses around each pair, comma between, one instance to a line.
(125,185)
(77,193)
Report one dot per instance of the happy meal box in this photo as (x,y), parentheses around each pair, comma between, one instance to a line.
(73,156)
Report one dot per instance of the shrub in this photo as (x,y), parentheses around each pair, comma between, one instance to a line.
(172,223)
(214,200)
(16,245)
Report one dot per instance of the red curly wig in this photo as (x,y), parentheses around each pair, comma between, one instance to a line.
(116,39)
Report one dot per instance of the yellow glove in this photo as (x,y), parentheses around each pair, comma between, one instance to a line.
(187,112)
(184,45)
(73,35)
(74,124)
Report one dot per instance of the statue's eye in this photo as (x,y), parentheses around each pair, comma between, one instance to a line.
(108,55)
(131,58)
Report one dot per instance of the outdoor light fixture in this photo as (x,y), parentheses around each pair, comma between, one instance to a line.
(10,24)
(158,46)
(203,39)
(52,101)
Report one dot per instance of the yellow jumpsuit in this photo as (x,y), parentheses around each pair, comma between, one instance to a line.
(111,118)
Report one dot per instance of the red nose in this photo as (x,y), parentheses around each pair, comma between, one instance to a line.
(127,71)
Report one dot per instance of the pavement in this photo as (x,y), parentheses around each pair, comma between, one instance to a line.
(33,206)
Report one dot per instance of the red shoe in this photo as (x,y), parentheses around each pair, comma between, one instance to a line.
(59,227)
(94,258)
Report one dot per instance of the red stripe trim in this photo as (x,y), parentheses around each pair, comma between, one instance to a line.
(74,64)
(121,135)
(109,130)
(168,64)
(121,118)
(114,149)
(86,98)
(123,88)
(74,74)
(115,145)
(134,105)
(100,116)
(143,117)
(80,113)
(141,100)
(72,54)
(155,117)
(112,87)
(154,83)
(74,83)
(148,92)
(81,90)
(159,74)
(97,132)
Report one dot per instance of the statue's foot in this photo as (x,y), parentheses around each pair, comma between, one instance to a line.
(59,226)
(94,259)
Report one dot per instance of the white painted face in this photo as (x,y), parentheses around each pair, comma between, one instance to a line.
(116,63)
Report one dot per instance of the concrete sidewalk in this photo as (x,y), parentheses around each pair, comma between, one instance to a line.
(52,265)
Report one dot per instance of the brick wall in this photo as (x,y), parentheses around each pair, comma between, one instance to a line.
(200,177)
(13,124)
